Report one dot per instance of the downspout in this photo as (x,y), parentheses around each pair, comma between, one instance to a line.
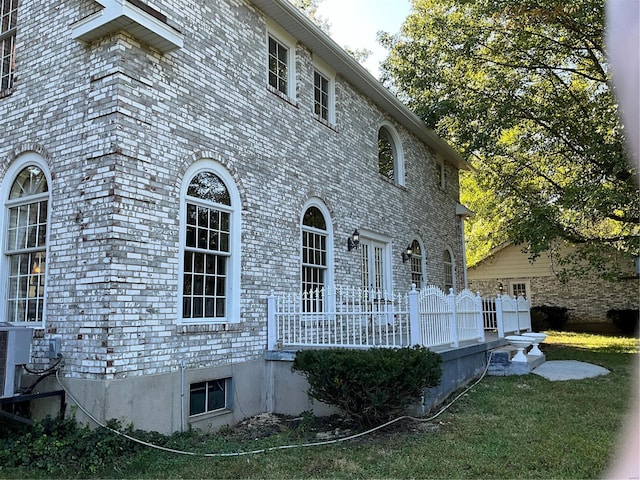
(182,366)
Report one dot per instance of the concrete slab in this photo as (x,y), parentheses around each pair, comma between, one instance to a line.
(556,370)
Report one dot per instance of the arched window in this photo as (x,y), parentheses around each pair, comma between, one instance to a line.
(417,260)
(316,256)
(390,161)
(25,252)
(448,264)
(210,267)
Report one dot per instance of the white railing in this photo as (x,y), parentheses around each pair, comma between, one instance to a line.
(354,317)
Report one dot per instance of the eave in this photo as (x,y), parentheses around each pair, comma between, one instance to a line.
(143,22)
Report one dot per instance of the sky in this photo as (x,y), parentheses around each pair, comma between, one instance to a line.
(355,24)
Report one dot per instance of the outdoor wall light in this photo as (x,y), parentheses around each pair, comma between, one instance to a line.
(354,240)
(406,254)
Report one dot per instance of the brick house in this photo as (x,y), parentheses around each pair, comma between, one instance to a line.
(166,164)
(587,297)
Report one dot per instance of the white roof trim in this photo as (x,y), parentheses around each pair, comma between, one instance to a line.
(463,211)
(125,15)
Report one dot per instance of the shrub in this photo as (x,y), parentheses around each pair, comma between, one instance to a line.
(625,319)
(369,385)
(63,447)
(545,317)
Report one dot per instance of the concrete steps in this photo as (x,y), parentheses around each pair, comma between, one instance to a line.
(501,363)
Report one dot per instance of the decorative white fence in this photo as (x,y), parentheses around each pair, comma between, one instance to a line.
(355,317)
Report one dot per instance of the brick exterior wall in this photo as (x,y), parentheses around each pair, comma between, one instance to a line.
(118,125)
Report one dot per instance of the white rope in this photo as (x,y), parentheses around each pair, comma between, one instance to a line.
(280,447)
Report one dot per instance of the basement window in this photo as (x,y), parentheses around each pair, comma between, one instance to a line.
(210,396)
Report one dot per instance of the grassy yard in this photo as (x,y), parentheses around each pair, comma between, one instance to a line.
(505,427)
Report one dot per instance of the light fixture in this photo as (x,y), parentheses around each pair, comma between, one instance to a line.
(500,287)
(406,254)
(354,240)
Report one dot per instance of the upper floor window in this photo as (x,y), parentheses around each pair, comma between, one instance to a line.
(281,61)
(315,257)
(25,250)
(321,95)
(390,161)
(417,260)
(440,173)
(210,269)
(8,22)
(447,260)
(278,66)
(323,92)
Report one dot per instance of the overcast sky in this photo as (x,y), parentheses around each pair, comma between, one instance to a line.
(355,24)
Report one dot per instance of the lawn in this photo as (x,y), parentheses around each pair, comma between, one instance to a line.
(505,427)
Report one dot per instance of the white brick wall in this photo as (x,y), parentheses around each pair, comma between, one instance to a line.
(119,124)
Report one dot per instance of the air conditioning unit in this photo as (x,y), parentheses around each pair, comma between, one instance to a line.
(15,351)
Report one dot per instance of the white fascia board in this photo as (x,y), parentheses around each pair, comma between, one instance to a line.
(121,15)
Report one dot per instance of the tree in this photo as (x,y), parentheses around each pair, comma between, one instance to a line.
(521,88)
(310,9)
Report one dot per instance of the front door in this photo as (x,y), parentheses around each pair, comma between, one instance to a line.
(375,267)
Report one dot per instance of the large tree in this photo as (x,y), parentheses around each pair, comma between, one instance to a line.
(521,88)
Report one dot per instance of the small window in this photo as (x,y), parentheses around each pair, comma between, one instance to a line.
(441,178)
(519,289)
(209,396)
(321,95)
(278,66)
(390,162)
(416,264)
(8,23)
(447,260)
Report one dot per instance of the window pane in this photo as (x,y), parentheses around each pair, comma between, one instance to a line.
(208,186)
(197,398)
(386,154)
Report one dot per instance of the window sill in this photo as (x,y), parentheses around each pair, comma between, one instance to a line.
(326,123)
(282,96)
(215,413)
(391,182)
(7,92)
(187,328)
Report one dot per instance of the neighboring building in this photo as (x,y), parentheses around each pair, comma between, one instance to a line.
(507,269)
(166,164)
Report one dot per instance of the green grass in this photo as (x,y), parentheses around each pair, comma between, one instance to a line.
(505,427)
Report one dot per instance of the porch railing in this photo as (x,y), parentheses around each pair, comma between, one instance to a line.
(355,317)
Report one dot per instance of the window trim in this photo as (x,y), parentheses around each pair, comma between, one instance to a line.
(21,162)
(329,271)
(452,266)
(518,281)
(423,262)
(9,35)
(323,69)
(232,306)
(282,37)
(228,397)
(398,153)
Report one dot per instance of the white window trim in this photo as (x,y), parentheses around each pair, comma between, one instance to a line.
(234,266)
(423,259)
(368,235)
(319,204)
(527,287)
(453,270)
(398,160)
(275,31)
(22,161)
(330,75)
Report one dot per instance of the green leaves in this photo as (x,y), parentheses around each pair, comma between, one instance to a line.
(521,88)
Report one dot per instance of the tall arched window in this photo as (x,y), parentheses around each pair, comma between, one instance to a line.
(210,263)
(417,261)
(25,251)
(316,255)
(390,161)
(448,264)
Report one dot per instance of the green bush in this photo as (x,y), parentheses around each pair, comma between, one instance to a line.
(625,319)
(371,385)
(547,317)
